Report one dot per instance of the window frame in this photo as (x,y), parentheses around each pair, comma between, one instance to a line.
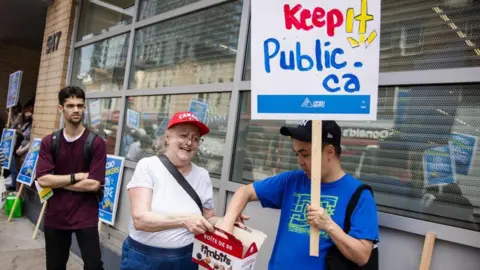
(225,186)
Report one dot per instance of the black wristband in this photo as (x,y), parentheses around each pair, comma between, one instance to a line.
(72,178)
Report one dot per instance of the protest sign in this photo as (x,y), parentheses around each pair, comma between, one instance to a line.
(94,112)
(7,144)
(43,193)
(464,149)
(133,118)
(315,60)
(200,109)
(113,179)
(27,172)
(439,166)
(14,88)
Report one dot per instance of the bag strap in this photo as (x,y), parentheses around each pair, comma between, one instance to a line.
(87,149)
(352,204)
(181,180)
(55,144)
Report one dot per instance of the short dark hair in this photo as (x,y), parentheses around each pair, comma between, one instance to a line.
(70,92)
(338,149)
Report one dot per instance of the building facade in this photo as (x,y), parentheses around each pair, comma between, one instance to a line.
(142,60)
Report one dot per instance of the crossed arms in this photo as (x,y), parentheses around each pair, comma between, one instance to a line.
(83,184)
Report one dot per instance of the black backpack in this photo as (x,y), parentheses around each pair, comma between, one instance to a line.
(87,147)
(334,259)
(87,152)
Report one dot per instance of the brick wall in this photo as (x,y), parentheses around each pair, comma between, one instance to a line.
(14,58)
(53,67)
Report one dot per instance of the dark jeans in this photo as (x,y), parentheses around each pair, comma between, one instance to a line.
(58,242)
(137,256)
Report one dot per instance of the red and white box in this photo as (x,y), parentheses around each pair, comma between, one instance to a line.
(220,250)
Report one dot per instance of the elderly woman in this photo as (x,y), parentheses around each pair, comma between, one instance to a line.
(165,216)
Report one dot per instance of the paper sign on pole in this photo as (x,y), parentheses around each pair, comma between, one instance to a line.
(113,180)
(133,118)
(7,144)
(94,112)
(316,60)
(27,172)
(14,88)
(464,149)
(200,109)
(439,166)
(43,193)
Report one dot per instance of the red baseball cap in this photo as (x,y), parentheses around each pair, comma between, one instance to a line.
(188,117)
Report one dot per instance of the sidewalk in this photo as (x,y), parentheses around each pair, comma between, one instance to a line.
(18,251)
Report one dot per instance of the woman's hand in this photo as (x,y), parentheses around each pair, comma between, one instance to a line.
(197,225)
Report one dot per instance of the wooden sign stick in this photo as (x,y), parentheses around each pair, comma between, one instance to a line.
(40,217)
(316,181)
(427,251)
(16,202)
(9,117)
(99,225)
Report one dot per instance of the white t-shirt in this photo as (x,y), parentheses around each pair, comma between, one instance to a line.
(168,197)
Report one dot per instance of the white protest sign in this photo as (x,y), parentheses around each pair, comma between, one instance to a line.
(316,60)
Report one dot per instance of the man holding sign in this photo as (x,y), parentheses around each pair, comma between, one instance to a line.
(290,192)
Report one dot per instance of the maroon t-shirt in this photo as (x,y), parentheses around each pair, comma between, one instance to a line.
(70,210)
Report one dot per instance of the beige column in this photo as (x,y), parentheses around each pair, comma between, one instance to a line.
(53,66)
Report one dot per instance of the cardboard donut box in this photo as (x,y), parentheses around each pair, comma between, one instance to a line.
(220,250)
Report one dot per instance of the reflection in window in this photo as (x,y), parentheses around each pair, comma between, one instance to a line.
(100,66)
(101,116)
(101,16)
(199,48)
(420,35)
(147,118)
(420,156)
(150,8)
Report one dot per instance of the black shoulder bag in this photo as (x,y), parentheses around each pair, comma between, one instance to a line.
(181,180)
(334,259)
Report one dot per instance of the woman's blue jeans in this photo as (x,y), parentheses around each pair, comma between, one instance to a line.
(137,256)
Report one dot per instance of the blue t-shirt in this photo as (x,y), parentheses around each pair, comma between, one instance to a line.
(290,192)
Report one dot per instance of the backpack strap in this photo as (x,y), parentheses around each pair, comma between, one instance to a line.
(352,204)
(87,149)
(55,144)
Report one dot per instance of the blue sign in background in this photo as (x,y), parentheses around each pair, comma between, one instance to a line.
(133,118)
(27,172)
(113,177)
(200,109)
(14,88)
(7,144)
(439,168)
(464,149)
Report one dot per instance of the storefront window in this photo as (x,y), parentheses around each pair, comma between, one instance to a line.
(101,16)
(199,48)
(149,8)
(101,116)
(420,156)
(100,67)
(147,117)
(421,35)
